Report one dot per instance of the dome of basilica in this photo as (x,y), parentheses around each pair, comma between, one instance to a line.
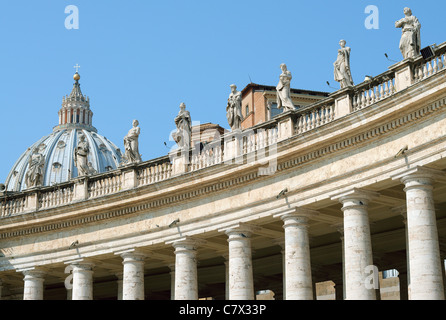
(53,159)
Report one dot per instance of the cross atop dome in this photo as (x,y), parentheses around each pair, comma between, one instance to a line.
(76,75)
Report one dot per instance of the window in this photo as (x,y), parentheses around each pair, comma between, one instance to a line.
(390,273)
(246,110)
(274,110)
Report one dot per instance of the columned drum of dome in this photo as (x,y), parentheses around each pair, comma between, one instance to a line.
(58,148)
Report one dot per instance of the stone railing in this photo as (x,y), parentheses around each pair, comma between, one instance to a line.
(100,186)
(210,155)
(373,90)
(154,171)
(233,147)
(12,205)
(259,139)
(57,196)
(423,69)
(315,116)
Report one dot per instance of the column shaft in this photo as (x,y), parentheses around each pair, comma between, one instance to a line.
(172,281)
(133,276)
(186,280)
(357,245)
(82,281)
(299,285)
(426,280)
(241,283)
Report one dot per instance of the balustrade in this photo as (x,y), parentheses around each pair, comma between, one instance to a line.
(425,69)
(12,206)
(56,197)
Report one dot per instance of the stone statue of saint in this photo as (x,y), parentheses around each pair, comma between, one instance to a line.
(81,157)
(183,135)
(131,144)
(234,109)
(283,90)
(410,43)
(36,164)
(342,73)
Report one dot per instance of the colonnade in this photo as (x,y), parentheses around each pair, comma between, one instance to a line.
(424,262)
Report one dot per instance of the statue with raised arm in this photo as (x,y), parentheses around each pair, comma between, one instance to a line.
(131,144)
(183,135)
(234,109)
(283,90)
(81,157)
(410,43)
(36,165)
(342,73)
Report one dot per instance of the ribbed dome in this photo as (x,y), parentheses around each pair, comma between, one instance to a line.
(58,148)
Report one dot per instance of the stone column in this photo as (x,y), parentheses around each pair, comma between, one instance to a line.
(340,286)
(226,277)
(119,283)
(404,279)
(425,277)
(133,275)
(172,281)
(241,283)
(33,289)
(357,243)
(82,280)
(186,280)
(281,243)
(299,285)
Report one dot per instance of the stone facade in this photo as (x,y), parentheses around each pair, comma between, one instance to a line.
(348,184)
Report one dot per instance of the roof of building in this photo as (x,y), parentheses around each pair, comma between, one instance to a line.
(255,86)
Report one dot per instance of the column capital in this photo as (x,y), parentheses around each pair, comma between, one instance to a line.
(83,264)
(245,230)
(418,172)
(133,254)
(186,242)
(296,212)
(295,220)
(34,272)
(33,286)
(355,194)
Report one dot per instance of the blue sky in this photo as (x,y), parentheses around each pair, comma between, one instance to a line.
(140,58)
